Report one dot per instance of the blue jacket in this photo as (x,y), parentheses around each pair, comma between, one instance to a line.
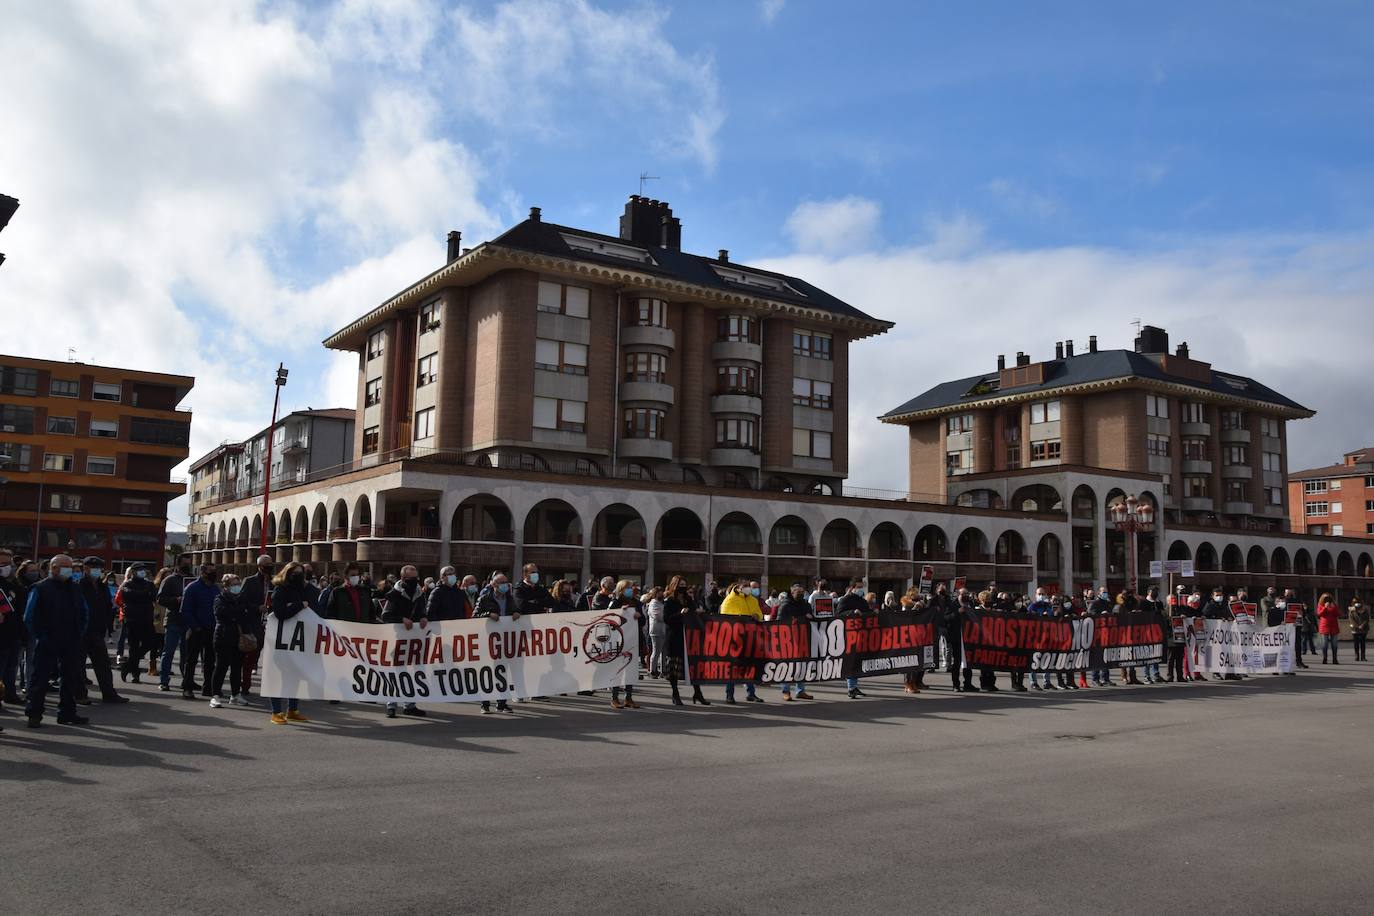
(1041,608)
(198,605)
(56,612)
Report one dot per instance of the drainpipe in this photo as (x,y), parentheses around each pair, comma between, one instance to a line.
(615,400)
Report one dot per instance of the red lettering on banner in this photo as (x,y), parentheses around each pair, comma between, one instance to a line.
(371,651)
(322,639)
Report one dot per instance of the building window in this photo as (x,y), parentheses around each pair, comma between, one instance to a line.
(646,367)
(652,313)
(64,426)
(1273,496)
(645,423)
(19,456)
(372,393)
(19,381)
(1235,454)
(424,423)
(16,419)
(1013,455)
(131,505)
(1157,446)
(376,344)
(159,432)
(107,391)
(959,462)
(146,543)
(90,540)
(371,440)
(809,443)
(1318,507)
(1311,487)
(554,413)
(1335,508)
(959,423)
(429,316)
(424,370)
(1335,484)
(815,344)
(1369,505)
(1168,485)
(1156,405)
(104,429)
(735,434)
(1045,450)
(737,380)
(1235,491)
(811,393)
(64,388)
(737,329)
(560,356)
(102,466)
(558,299)
(1232,419)
(1369,483)
(1044,412)
(1194,412)
(65,502)
(1337,530)
(55,462)
(1269,426)
(638,471)
(1195,486)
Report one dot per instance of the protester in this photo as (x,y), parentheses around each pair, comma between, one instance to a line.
(1152,604)
(624,600)
(530,596)
(740,602)
(12,635)
(1101,606)
(853,603)
(350,601)
(1329,625)
(447,600)
(1041,607)
(796,609)
(55,618)
(137,596)
(198,617)
(235,627)
(170,586)
(257,596)
(405,605)
(493,604)
(1358,614)
(656,614)
(956,613)
(289,598)
(99,626)
(679,611)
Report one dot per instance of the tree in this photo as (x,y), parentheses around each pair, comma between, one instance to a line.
(174,552)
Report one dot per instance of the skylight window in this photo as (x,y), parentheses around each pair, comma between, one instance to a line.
(758,281)
(1237,383)
(607,249)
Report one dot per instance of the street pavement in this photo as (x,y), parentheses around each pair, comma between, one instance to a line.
(1249,797)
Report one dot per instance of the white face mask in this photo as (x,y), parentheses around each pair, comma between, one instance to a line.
(354,580)
(141,574)
(6,571)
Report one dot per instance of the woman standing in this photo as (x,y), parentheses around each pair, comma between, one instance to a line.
(233,619)
(289,598)
(1359,628)
(136,597)
(624,599)
(680,610)
(159,623)
(912,681)
(658,630)
(1329,625)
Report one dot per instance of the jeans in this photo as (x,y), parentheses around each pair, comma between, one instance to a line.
(748,690)
(51,659)
(1329,641)
(293,704)
(800,687)
(1034,678)
(1307,642)
(629,692)
(658,657)
(852,683)
(123,636)
(1152,670)
(173,638)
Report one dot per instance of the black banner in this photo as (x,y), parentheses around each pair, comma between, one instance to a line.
(726,649)
(1017,641)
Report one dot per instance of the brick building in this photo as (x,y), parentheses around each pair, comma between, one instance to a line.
(1335,500)
(86,453)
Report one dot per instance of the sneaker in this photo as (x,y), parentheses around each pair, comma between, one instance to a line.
(239,699)
(854,694)
(278,718)
(294,715)
(73,720)
(391,712)
(486,710)
(217,702)
(413,711)
(1037,687)
(1051,687)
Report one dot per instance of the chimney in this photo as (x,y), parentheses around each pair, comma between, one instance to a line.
(1152,340)
(670,232)
(1022,359)
(1001,362)
(534,214)
(1183,350)
(1059,350)
(455,246)
(1092,343)
(723,256)
(650,223)
(1068,349)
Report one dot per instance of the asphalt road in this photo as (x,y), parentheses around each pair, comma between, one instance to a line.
(1244,797)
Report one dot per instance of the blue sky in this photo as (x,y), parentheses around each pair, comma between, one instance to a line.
(212,188)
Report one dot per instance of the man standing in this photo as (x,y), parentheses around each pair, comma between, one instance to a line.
(169,594)
(851,605)
(198,616)
(405,604)
(447,600)
(256,596)
(1041,607)
(530,596)
(350,601)
(56,620)
(99,622)
(496,602)
(1101,606)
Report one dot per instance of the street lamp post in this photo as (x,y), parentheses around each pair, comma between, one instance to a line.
(1131,516)
(267,468)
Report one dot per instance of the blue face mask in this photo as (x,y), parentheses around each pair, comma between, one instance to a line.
(629,593)
(503,587)
(235,589)
(534,578)
(64,573)
(94,573)
(472,589)
(451,580)
(754,592)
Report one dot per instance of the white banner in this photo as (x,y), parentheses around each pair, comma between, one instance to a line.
(449,662)
(1241,647)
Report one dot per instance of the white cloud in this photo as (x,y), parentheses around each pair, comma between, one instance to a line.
(1017,198)
(769,10)
(1262,307)
(836,226)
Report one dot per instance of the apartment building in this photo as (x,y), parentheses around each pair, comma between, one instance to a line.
(86,454)
(556,348)
(1337,500)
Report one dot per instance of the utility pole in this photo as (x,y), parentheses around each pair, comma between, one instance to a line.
(267,469)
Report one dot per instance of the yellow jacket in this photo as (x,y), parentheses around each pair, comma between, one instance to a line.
(739,605)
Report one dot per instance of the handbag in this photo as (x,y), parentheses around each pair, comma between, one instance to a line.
(248,643)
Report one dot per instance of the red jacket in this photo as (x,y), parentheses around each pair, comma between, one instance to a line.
(1328,619)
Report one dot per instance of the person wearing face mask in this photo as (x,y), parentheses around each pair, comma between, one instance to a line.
(322,602)
(198,616)
(740,602)
(405,605)
(627,602)
(447,600)
(956,609)
(1101,606)
(350,601)
(11,626)
(169,593)
(564,597)
(257,597)
(530,596)
(494,604)
(289,597)
(679,611)
(56,619)
(233,621)
(797,610)
(99,623)
(137,596)
(1151,602)
(852,603)
(1041,607)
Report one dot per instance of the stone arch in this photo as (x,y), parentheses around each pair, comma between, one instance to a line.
(737,532)
(790,536)
(1010,547)
(1256,560)
(483,517)
(1083,506)
(1324,564)
(300,529)
(680,529)
(1365,567)
(1114,495)
(1345,564)
(1038,498)
(233,532)
(887,541)
(271,528)
(840,538)
(1178,550)
(931,543)
(1049,555)
(338,520)
(618,525)
(1280,564)
(820,488)
(1207,557)
(256,537)
(972,546)
(319,523)
(1232,560)
(362,517)
(1302,562)
(553,521)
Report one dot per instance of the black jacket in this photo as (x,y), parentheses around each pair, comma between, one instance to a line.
(342,607)
(403,604)
(99,604)
(233,617)
(138,596)
(169,596)
(851,603)
(12,624)
(447,602)
(287,600)
(58,613)
(1217,610)
(794,610)
(257,591)
(531,599)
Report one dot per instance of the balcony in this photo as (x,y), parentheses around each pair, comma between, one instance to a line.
(652,392)
(735,458)
(656,449)
(684,545)
(1193,466)
(1238,508)
(1236,471)
(1195,429)
(641,335)
(1197,503)
(296,447)
(737,403)
(1240,435)
(737,349)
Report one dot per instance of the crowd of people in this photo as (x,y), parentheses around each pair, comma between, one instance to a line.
(56,618)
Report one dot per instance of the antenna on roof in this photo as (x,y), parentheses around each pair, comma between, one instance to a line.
(643,177)
(1136,322)
(71,354)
